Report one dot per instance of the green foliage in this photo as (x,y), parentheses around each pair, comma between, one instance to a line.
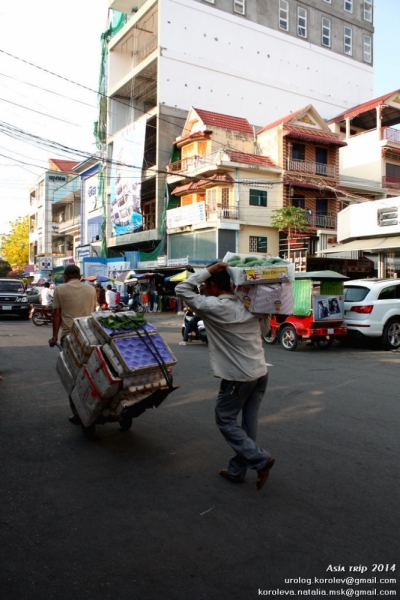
(14,246)
(5,268)
(289,218)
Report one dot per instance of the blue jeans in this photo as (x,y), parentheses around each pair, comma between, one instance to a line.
(245,396)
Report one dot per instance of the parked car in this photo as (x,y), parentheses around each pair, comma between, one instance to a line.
(33,294)
(372,309)
(13,298)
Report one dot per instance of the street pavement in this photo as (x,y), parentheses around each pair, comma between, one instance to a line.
(144,515)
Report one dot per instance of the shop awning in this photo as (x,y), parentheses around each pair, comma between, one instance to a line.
(366,244)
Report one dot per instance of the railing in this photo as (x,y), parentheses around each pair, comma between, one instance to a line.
(314,168)
(63,225)
(221,212)
(144,51)
(389,133)
(389,181)
(191,163)
(324,221)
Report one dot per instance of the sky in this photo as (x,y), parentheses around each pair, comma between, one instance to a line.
(63,39)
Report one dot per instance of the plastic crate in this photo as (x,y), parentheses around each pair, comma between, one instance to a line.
(139,354)
(106,335)
(104,380)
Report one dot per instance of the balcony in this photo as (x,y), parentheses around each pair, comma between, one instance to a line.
(221,212)
(391,134)
(312,168)
(328,221)
(59,227)
(391,182)
(193,163)
(126,6)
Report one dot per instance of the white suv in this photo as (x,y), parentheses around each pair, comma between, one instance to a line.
(372,308)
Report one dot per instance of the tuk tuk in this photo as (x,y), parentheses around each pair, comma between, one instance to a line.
(318,312)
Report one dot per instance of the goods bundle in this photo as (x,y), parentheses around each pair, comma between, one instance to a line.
(111,362)
(264,284)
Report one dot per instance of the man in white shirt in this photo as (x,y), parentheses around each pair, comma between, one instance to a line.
(111,297)
(237,357)
(46,295)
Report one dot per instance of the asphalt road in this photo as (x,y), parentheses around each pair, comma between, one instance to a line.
(144,515)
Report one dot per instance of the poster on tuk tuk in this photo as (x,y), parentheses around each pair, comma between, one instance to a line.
(328,308)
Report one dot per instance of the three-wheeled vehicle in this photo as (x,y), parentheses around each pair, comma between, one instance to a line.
(318,311)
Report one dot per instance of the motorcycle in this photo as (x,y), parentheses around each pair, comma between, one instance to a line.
(41,315)
(199,334)
(133,304)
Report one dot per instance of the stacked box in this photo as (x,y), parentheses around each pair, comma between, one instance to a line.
(274,299)
(82,338)
(107,335)
(106,384)
(73,362)
(67,379)
(86,398)
(279,271)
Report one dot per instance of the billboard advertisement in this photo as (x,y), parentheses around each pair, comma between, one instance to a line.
(126,173)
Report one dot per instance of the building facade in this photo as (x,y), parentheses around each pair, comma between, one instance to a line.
(254,59)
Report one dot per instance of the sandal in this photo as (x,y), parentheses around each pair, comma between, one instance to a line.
(224,473)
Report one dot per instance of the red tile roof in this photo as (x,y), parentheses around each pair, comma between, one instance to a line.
(198,135)
(224,121)
(202,184)
(361,108)
(251,159)
(312,184)
(313,135)
(284,119)
(389,149)
(63,165)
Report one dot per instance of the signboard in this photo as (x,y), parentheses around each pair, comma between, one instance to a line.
(328,308)
(45,263)
(93,268)
(68,261)
(186,215)
(147,264)
(83,251)
(90,186)
(178,262)
(126,209)
(116,267)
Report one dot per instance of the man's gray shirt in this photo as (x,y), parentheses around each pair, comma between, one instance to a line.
(233,333)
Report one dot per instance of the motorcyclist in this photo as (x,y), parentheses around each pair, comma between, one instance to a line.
(191,329)
(46,295)
(100,295)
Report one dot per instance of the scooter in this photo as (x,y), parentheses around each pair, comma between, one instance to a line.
(41,315)
(133,304)
(200,335)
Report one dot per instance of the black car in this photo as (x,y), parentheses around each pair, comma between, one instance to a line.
(34,295)
(13,298)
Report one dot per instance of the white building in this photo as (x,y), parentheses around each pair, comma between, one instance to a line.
(255,59)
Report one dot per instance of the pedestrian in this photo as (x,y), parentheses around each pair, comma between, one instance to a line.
(237,358)
(110,297)
(46,295)
(100,295)
(71,300)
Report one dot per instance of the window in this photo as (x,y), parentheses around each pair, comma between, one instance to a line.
(239,6)
(258,198)
(367,49)
(389,293)
(257,244)
(321,206)
(299,201)
(368,10)
(301,22)
(298,152)
(211,196)
(321,159)
(348,41)
(326,32)
(348,5)
(284,15)
(225,197)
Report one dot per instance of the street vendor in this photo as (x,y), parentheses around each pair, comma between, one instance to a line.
(237,358)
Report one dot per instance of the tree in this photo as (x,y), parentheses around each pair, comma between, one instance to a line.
(14,246)
(290,219)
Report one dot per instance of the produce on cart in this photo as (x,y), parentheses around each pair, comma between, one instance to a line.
(114,367)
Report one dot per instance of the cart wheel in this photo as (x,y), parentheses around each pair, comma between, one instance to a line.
(270,338)
(89,432)
(324,343)
(37,318)
(126,423)
(289,338)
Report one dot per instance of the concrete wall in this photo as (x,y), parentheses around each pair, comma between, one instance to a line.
(360,220)
(272,236)
(220,62)
(362,157)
